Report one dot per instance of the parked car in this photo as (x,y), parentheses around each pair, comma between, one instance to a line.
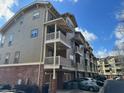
(5,87)
(27,88)
(87,78)
(101,78)
(99,83)
(72,84)
(89,86)
(11,91)
(117,78)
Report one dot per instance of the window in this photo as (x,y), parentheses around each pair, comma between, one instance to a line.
(34,33)
(0,57)
(7,58)
(36,15)
(2,39)
(17,56)
(11,37)
(69,23)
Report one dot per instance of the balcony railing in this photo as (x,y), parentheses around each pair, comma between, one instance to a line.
(81,67)
(118,67)
(50,60)
(59,35)
(79,50)
(85,68)
(59,61)
(87,56)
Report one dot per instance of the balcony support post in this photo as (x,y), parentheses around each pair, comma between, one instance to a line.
(54,81)
(54,72)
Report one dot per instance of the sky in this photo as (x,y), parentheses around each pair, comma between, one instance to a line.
(98,20)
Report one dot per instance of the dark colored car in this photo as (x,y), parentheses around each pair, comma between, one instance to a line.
(101,78)
(5,87)
(99,83)
(88,86)
(27,88)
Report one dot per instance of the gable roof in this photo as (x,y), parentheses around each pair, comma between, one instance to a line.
(24,9)
(71,16)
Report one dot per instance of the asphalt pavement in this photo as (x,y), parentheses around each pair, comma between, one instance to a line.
(114,86)
(73,91)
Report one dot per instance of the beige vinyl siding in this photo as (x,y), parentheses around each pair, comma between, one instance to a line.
(29,48)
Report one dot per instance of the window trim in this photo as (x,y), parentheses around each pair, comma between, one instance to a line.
(36,15)
(10,39)
(7,57)
(2,41)
(34,33)
(16,57)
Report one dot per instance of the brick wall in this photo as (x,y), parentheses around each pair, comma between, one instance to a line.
(11,74)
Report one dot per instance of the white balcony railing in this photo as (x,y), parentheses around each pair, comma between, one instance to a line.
(59,61)
(81,67)
(50,60)
(118,67)
(87,56)
(59,35)
(79,50)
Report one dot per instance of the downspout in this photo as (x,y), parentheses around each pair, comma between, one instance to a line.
(42,53)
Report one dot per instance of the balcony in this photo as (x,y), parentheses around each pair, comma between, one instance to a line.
(79,38)
(107,68)
(81,67)
(86,68)
(60,61)
(60,37)
(91,60)
(79,50)
(86,56)
(118,67)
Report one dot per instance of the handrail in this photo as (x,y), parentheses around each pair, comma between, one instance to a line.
(59,61)
(59,35)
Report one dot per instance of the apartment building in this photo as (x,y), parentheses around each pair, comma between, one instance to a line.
(39,44)
(110,66)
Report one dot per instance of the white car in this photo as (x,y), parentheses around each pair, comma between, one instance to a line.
(7,91)
(118,78)
(11,91)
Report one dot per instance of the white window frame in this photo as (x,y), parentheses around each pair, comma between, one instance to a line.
(34,33)
(11,39)
(36,15)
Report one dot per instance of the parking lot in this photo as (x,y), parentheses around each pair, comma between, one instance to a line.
(74,91)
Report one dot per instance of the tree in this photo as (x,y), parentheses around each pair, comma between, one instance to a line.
(119,44)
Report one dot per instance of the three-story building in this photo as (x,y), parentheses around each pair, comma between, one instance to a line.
(39,44)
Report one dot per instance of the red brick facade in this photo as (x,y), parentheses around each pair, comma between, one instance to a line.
(53,86)
(11,74)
